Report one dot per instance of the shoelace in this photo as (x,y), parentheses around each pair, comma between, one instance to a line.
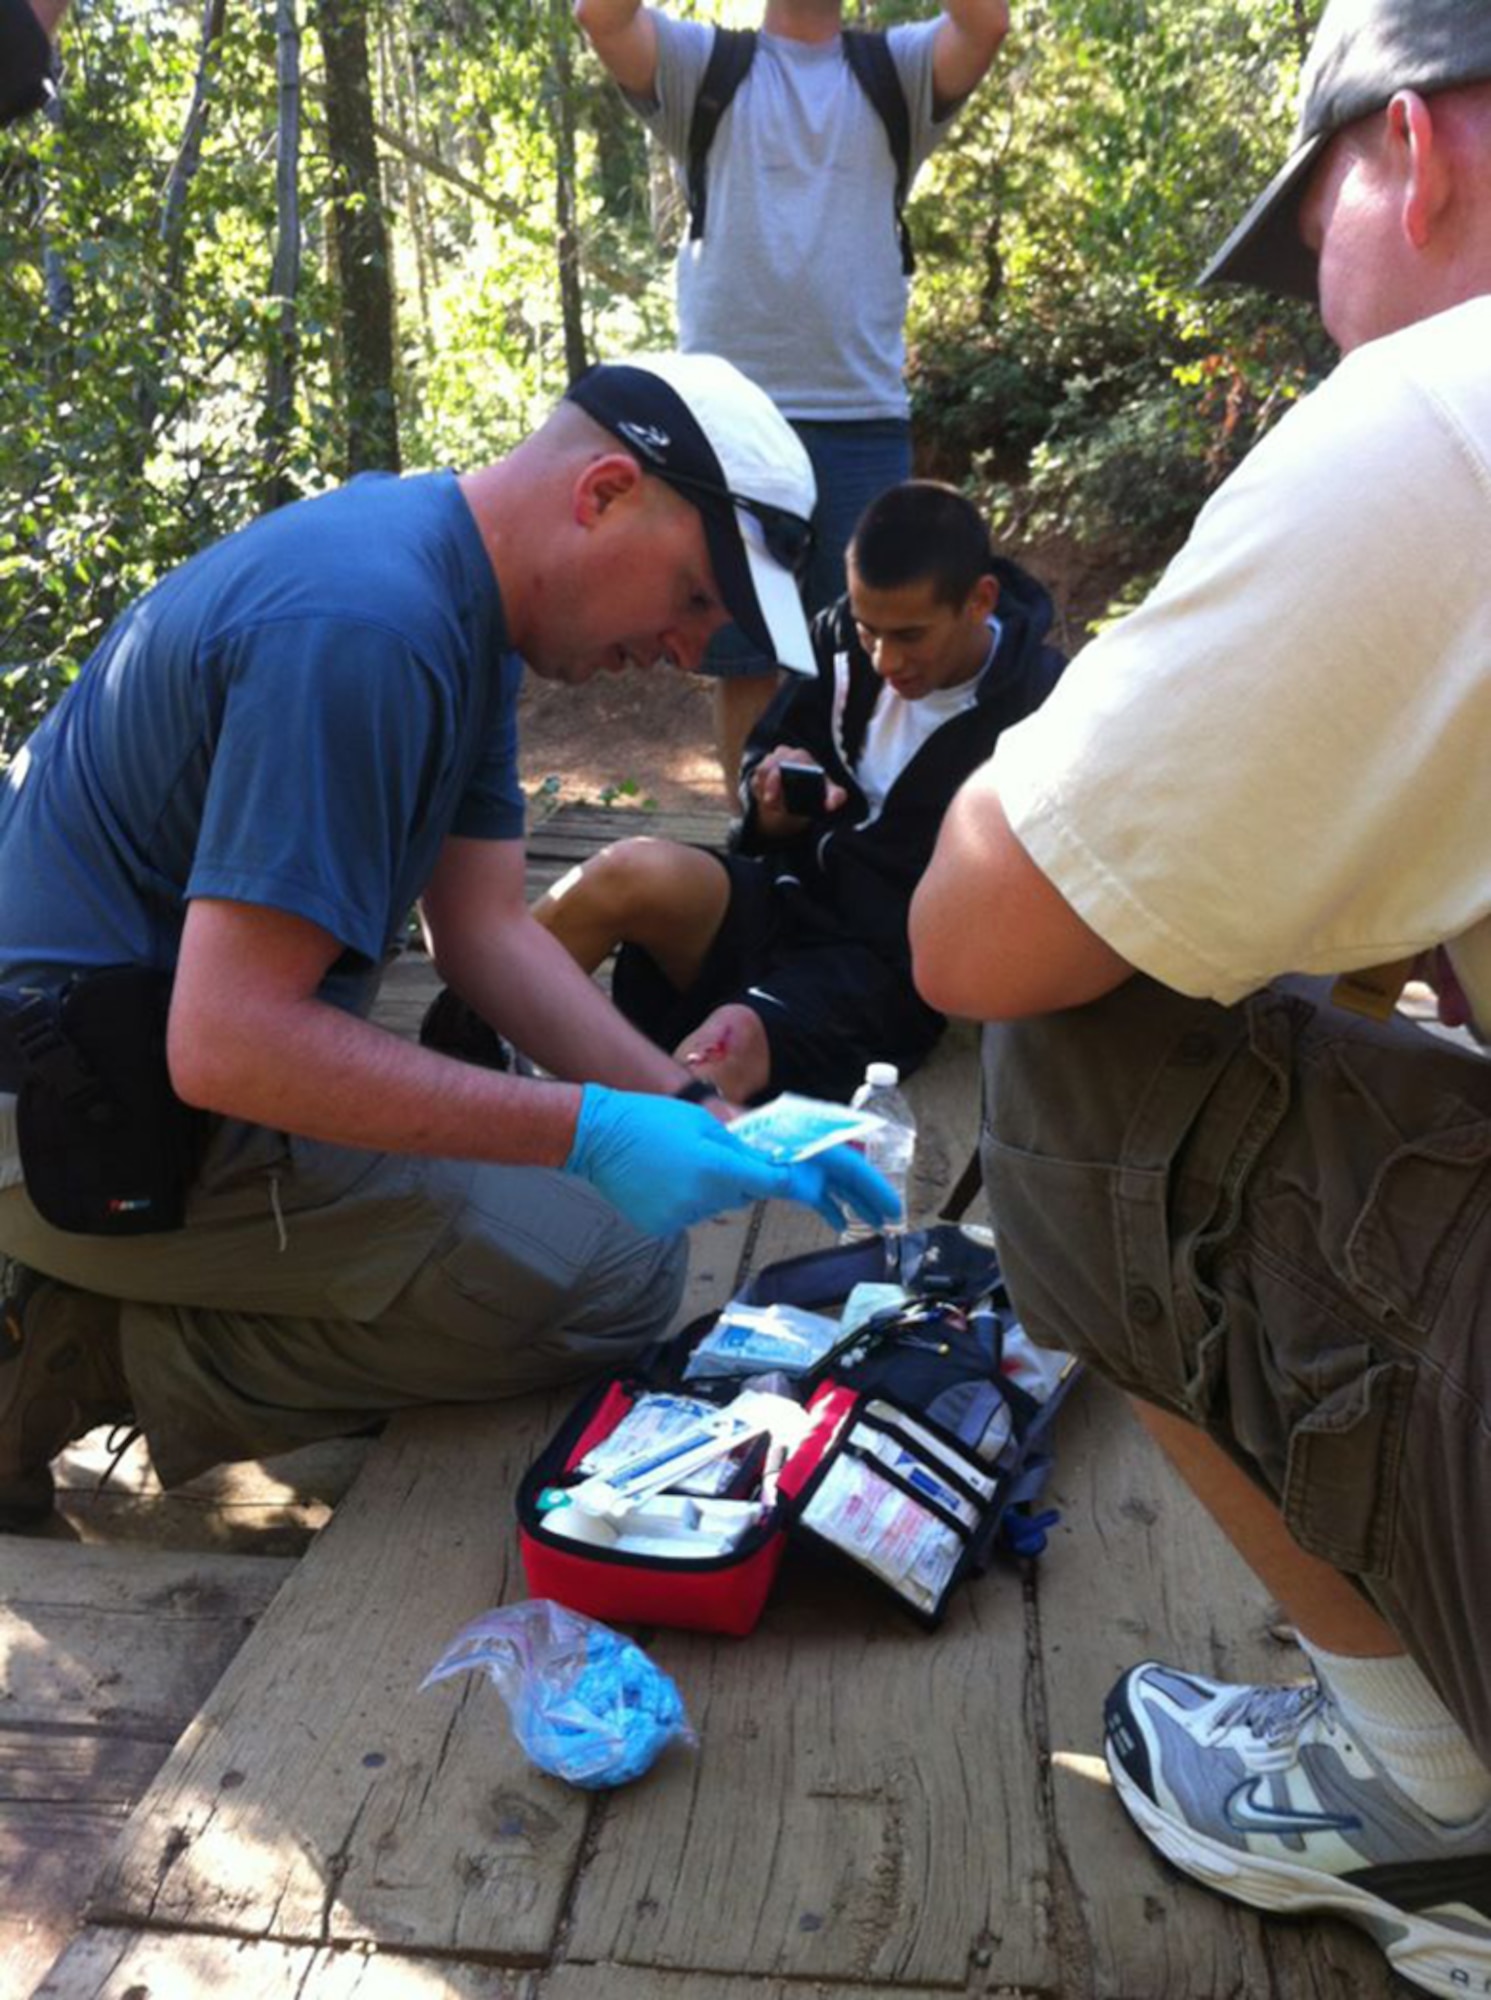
(125,1434)
(1274,1715)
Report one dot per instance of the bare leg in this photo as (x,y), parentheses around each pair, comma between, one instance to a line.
(1321,1603)
(1383,1694)
(657,894)
(739,704)
(731,1049)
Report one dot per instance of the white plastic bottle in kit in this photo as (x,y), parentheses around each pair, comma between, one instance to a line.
(892,1147)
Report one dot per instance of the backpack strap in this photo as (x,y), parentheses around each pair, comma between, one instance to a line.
(868,54)
(730,57)
(869,58)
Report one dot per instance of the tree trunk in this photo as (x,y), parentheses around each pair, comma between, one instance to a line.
(56,283)
(189,153)
(360,241)
(398,86)
(284,279)
(567,243)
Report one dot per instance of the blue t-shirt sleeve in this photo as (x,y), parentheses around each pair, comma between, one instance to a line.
(491,805)
(341,764)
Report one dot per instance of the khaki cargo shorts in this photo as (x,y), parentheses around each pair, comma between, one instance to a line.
(1272,1219)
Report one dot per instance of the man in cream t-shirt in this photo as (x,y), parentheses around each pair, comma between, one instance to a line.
(1264,1212)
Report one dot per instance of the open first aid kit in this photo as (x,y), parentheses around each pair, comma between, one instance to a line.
(877,1399)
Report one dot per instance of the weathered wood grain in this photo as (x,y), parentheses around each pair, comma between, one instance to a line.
(944,1094)
(97,1643)
(319,1796)
(105,1655)
(1139,1571)
(268,1507)
(47,1852)
(866,1800)
(620,1982)
(864,1804)
(105,1964)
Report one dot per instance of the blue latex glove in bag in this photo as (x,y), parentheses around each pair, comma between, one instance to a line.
(586,1704)
(665,1165)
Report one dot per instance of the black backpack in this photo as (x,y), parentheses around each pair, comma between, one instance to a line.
(869,58)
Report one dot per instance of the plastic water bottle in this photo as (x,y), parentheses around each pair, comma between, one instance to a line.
(893,1146)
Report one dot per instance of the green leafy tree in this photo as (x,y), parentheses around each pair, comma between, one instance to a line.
(268,241)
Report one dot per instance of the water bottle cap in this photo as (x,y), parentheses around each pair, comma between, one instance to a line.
(882,1076)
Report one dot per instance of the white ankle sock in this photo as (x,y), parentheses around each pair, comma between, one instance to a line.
(1391,1706)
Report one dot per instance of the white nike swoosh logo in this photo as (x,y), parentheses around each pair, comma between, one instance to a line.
(1249,1811)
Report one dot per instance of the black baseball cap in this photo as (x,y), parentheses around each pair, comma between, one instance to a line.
(695,422)
(1363,52)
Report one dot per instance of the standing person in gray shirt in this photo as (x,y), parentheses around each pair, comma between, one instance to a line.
(795,266)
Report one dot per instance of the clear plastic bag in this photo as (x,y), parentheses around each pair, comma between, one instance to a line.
(586,1705)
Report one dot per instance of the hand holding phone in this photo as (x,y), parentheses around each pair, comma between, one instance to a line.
(804,789)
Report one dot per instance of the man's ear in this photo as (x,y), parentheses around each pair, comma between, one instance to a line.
(984,596)
(605,481)
(1426,166)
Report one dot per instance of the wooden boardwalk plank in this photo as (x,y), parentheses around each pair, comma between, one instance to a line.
(824,1831)
(105,1656)
(864,1804)
(48,1855)
(268,1507)
(93,1637)
(104,1964)
(319,1797)
(618,1982)
(1139,1571)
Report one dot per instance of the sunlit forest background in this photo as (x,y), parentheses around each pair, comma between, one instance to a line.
(261,245)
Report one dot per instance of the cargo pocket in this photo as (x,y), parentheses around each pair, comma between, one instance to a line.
(1425,1202)
(1340,1496)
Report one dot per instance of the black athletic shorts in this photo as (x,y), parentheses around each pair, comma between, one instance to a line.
(829,1003)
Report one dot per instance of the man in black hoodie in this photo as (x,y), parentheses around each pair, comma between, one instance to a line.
(784,964)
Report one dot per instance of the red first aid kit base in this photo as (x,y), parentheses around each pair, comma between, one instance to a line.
(922,1452)
(714,1594)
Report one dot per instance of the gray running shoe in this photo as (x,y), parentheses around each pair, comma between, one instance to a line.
(1262,1794)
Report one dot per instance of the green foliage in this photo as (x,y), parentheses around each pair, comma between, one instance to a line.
(626,791)
(1062,362)
(1061,344)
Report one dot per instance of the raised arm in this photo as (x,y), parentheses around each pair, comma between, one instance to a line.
(968,39)
(991,937)
(624,36)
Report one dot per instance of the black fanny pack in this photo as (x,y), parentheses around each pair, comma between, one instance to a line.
(107,1147)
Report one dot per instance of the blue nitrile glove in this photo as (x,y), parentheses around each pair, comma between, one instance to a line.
(841,1182)
(666,1164)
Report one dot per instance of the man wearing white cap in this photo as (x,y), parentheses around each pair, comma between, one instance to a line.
(1259,1208)
(208,851)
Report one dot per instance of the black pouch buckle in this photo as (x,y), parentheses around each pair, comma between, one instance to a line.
(107,1147)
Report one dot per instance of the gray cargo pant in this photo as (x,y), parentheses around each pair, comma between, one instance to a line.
(316,1289)
(1273,1219)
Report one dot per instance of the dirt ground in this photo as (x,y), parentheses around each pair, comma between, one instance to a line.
(628,738)
(638,735)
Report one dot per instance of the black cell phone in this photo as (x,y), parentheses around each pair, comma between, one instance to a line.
(804,789)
